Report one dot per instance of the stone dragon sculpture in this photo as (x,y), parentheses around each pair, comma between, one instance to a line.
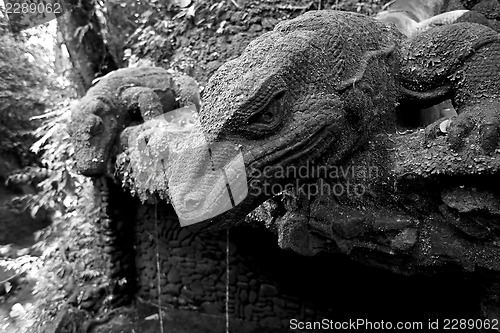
(121,99)
(326,89)
(307,90)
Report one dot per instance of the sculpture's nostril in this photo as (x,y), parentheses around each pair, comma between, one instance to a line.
(193,201)
(97,126)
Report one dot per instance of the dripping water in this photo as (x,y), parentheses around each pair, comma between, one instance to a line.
(227,280)
(158,268)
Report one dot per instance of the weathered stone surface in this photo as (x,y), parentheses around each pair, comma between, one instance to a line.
(197,288)
(279,302)
(471,199)
(173,276)
(293,306)
(253,283)
(167,299)
(211,308)
(243,279)
(183,234)
(188,294)
(205,268)
(248,311)
(386,223)
(405,240)
(252,297)
(240,284)
(255,28)
(182,251)
(271,322)
(243,296)
(280,312)
(173,289)
(187,280)
(350,227)
(267,290)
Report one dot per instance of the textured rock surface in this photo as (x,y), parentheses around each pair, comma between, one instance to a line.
(193,272)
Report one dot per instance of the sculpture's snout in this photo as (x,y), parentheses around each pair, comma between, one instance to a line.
(92,137)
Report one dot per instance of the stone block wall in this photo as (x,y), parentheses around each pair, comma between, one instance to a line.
(193,271)
(270,286)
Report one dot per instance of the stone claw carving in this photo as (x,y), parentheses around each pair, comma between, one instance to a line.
(478,126)
(124,98)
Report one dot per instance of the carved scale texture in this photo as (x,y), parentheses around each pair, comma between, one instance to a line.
(455,55)
(313,53)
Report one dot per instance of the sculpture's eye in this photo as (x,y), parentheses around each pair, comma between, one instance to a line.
(270,111)
(266,117)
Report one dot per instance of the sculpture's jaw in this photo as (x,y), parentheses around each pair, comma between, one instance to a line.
(95,167)
(93,129)
(92,155)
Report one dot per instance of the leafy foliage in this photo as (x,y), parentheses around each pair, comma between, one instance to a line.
(71,259)
(56,182)
(21,97)
(34,141)
(26,85)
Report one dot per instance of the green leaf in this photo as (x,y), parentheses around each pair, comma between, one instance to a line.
(37,145)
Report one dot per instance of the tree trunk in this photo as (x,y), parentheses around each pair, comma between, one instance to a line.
(118,28)
(81,33)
